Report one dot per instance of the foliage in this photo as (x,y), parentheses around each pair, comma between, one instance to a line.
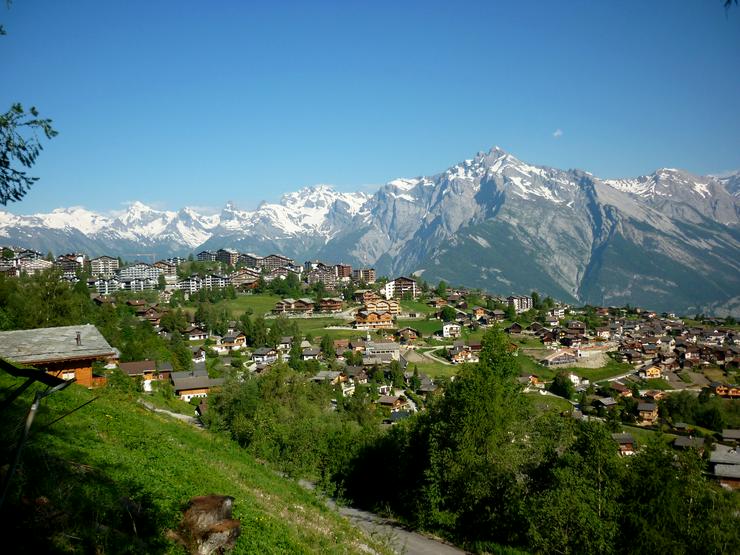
(563,386)
(19,147)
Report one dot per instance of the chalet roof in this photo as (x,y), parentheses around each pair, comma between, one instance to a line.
(326,375)
(646,406)
(686,442)
(727,470)
(264,351)
(42,345)
(731,434)
(137,367)
(724,455)
(623,438)
(182,383)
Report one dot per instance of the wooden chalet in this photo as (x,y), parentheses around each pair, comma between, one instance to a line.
(67,352)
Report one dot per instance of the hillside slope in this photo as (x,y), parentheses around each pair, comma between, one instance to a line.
(113,478)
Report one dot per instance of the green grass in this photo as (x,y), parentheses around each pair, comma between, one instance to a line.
(612,368)
(435,369)
(79,474)
(260,304)
(656,383)
(417,306)
(425,327)
(546,403)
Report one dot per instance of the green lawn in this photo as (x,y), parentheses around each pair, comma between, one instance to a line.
(260,304)
(545,403)
(656,383)
(434,369)
(416,306)
(426,327)
(113,465)
(612,368)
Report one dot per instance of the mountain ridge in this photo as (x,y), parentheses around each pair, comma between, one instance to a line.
(565,226)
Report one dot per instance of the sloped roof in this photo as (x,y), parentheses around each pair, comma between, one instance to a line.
(43,345)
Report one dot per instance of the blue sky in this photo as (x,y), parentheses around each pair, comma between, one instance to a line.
(195,103)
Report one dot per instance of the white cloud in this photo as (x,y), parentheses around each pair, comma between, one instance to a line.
(557,133)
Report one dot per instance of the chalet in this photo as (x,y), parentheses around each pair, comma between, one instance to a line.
(67,352)
(437,302)
(621,389)
(408,335)
(514,328)
(373,320)
(688,442)
(330,304)
(461,353)
(479,312)
(234,342)
(725,390)
(310,353)
(193,383)
(144,369)
(647,412)
(265,355)
(332,377)
(383,305)
(356,373)
(535,327)
(559,358)
(364,296)
(285,343)
(294,306)
(650,371)
(198,354)
(391,402)
(654,394)
(451,330)
(195,334)
(605,402)
(603,333)
(625,443)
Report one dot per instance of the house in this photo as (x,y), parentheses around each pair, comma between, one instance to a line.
(625,443)
(357,374)
(408,335)
(234,342)
(330,304)
(650,371)
(437,302)
(461,353)
(689,442)
(285,343)
(383,305)
(621,389)
(514,328)
(451,330)
(647,413)
(265,355)
(193,383)
(66,352)
(560,357)
(373,320)
(332,377)
(199,354)
(391,402)
(310,353)
(605,402)
(498,315)
(195,334)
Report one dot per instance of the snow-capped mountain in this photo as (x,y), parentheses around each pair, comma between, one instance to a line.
(669,240)
(316,212)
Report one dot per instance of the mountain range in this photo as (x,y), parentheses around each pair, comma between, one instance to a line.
(669,240)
